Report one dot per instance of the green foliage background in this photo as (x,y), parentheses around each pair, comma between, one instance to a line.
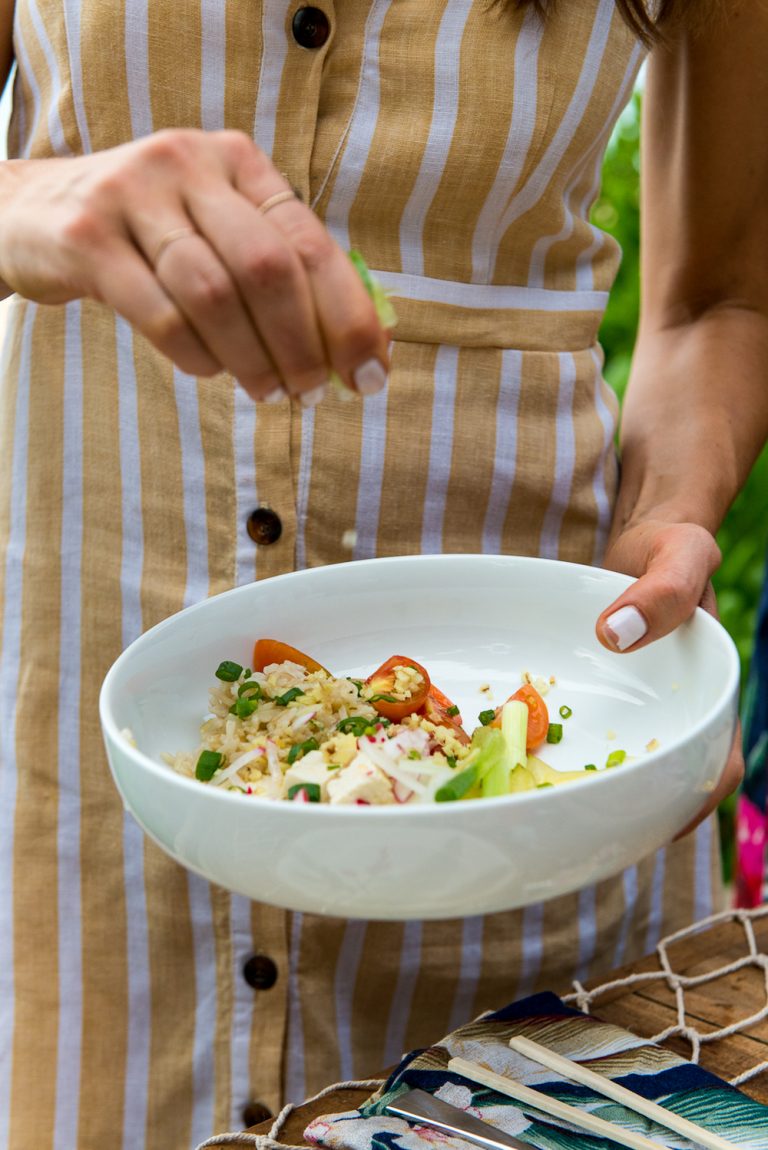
(743,537)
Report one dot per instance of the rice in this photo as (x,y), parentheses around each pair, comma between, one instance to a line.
(274,732)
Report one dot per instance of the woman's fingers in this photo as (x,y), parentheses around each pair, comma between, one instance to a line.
(272,285)
(733,773)
(354,340)
(125,282)
(227,269)
(674,563)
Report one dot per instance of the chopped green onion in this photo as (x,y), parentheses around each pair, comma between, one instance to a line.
(247,673)
(311,790)
(487,717)
(451,760)
(615,758)
(554,732)
(208,764)
(452,711)
(414,754)
(243,707)
(356,725)
(541,786)
(333,766)
(384,699)
(384,308)
(251,690)
(288,697)
(298,750)
(228,671)
(457,787)
(590,767)
(565,712)
(359,686)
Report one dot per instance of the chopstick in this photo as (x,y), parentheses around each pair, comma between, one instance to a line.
(610,1089)
(552,1106)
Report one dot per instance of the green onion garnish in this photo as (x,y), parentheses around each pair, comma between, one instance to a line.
(554,732)
(299,750)
(565,712)
(356,725)
(247,673)
(590,767)
(288,697)
(311,790)
(243,707)
(250,690)
(451,760)
(615,758)
(487,717)
(541,786)
(333,766)
(228,672)
(454,710)
(208,764)
(414,754)
(384,699)
(359,686)
(456,787)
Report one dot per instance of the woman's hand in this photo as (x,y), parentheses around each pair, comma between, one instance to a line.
(673,563)
(195,239)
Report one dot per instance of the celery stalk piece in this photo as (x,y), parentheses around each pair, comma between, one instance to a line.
(488,749)
(514,728)
(382,303)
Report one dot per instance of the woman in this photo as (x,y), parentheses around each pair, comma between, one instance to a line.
(458,146)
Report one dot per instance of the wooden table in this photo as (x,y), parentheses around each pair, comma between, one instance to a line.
(649,1009)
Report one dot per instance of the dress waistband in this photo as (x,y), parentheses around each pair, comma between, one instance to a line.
(491,315)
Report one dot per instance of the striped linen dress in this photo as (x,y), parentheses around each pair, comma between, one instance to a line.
(458,145)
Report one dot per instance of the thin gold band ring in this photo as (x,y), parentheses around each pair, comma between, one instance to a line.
(278,198)
(170,238)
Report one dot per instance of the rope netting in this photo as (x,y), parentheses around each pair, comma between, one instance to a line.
(679,983)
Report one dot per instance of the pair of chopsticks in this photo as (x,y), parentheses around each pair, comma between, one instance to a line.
(601,1085)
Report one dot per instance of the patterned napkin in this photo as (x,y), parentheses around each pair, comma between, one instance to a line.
(641,1066)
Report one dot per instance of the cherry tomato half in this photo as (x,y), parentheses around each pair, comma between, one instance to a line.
(439,709)
(383,684)
(538,715)
(268,651)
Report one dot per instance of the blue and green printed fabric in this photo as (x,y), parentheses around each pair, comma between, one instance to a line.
(643,1067)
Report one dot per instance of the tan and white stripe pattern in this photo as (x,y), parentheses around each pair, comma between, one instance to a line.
(457,144)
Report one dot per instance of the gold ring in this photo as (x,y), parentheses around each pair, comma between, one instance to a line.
(278,198)
(170,238)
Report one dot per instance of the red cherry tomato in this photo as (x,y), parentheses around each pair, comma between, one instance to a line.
(439,709)
(538,715)
(268,651)
(383,684)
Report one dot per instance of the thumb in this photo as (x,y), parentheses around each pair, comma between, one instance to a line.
(677,561)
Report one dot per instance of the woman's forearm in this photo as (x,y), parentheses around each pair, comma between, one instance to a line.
(695,417)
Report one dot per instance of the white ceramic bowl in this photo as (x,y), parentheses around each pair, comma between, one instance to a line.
(473,621)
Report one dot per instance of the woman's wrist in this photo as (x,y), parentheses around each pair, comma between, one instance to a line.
(695,418)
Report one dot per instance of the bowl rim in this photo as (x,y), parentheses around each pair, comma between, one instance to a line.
(113,733)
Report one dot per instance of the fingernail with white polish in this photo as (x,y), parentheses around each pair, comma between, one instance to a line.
(370,377)
(312,398)
(625,626)
(275,396)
